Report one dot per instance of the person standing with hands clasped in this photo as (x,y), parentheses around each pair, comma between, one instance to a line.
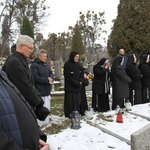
(43,78)
(134,73)
(144,67)
(100,86)
(72,74)
(18,71)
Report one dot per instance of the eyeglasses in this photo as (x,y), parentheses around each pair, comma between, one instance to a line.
(31,48)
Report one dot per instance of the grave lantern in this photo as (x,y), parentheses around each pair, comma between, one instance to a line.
(75,120)
(128,105)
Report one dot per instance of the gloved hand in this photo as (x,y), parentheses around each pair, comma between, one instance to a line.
(42,112)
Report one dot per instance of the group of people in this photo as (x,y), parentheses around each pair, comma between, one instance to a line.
(129,79)
(23,97)
(25,91)
(131,82)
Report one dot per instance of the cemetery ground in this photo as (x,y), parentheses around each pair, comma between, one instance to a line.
(135,123)
(57,109)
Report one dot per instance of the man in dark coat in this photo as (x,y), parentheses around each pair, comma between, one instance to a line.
(18,125)
(17,69)
(72,74)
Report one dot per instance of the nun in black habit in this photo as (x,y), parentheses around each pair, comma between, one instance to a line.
(134,73)
(100,86)
(144,67)
(72,76)
(85,82)
(120,83)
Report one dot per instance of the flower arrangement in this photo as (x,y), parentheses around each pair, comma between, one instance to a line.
(90,76)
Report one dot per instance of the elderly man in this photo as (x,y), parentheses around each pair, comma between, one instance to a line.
(17,69)
(122,54)
(43,78)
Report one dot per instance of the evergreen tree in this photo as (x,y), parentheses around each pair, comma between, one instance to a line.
(131,30)
(27,28)
(77,41)
(4,48)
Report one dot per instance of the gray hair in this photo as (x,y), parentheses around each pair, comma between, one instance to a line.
(40,52)
(24,39)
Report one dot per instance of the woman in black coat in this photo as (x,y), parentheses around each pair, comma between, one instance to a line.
(72,75)
(134,73)
(144,67)
(100,86)
(120,83)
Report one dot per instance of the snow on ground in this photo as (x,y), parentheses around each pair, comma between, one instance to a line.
(90,137)
(85,138)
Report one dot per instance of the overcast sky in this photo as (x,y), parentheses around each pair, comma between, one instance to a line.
(65,13)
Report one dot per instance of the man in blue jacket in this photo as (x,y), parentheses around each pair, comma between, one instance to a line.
(43,77)
(18,125)
(122,54)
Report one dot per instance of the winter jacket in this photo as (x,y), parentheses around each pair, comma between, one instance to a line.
(17,69)
(41,71)
(18,124)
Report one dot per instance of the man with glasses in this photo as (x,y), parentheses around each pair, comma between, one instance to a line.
(17,69)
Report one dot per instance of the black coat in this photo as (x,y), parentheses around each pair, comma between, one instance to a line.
(121,83)
(145,71)
(135,86)
(72,75)
(84,104)
(120,87)
(41,71)
(99,80)
(100,87)
(134,73)
(17,69)
(144,67)
(18,125)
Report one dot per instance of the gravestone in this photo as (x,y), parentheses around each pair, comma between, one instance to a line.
(140,140)
(58,69)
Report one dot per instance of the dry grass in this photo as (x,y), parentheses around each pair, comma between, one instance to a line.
(57,109)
